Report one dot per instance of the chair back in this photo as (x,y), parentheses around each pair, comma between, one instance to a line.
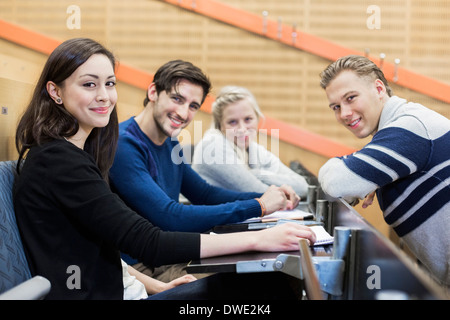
(13,264)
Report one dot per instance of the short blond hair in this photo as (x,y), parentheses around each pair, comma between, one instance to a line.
(362,66)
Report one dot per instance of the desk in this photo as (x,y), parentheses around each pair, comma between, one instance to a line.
(249,260)
(372,264)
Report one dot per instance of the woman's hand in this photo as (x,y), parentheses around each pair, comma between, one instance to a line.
(178,281)
(284,237)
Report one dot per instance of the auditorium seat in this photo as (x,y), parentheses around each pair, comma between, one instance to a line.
(16,282)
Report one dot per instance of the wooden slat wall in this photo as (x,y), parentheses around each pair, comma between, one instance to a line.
(147,33)
(416,32)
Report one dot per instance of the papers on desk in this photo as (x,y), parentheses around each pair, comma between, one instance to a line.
(295,214)
(277,218)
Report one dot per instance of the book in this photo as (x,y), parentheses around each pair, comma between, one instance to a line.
(295,214)
(322,236)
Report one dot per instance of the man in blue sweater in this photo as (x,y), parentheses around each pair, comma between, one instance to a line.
(148,179)
(407,162)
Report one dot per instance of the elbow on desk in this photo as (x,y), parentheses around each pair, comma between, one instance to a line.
(337,181)
(349,190)
(332,190)
(330,183)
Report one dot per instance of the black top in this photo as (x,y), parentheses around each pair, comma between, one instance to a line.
(73,226)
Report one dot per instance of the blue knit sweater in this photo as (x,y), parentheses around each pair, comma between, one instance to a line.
(408,163)
(150,178)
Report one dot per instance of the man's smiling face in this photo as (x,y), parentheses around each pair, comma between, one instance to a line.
(174,111)
(357,102)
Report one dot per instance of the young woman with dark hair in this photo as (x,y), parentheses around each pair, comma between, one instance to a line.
(72,225)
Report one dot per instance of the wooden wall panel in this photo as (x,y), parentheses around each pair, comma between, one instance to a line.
(13,94)
(147,33)
(19,71)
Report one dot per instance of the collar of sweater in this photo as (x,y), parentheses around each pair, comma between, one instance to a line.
(389,110)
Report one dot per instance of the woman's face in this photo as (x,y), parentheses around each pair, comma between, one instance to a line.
(89,94)
(239,123)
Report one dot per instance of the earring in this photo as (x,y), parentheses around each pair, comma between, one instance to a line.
(58,100)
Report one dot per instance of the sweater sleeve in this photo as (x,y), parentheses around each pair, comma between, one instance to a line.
(269,169)
(87,199)
(131,178)
(200,192)
(387,158)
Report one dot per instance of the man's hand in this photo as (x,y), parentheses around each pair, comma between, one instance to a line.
(368,200)
(292,198)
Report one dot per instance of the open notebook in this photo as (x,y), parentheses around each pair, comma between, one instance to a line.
(322,236)
(295,214)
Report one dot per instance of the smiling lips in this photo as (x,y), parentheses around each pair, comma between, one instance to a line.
(243,137)
(101,110)
(177,122)
(355,123)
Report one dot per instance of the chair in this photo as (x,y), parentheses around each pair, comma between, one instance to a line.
(16,282)
(297,167)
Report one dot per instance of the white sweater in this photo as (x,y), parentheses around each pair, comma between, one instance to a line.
(221,163)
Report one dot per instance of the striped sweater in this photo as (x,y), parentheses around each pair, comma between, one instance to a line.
(408,163)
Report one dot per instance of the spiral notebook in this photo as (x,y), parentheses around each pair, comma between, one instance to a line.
(322,236)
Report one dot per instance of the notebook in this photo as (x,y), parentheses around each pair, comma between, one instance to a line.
(295,214)
(322,236)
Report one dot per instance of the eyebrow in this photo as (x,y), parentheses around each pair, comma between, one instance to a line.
(95,76)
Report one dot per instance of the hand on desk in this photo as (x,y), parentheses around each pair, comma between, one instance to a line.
(292,199)
(284,237)
(279,198)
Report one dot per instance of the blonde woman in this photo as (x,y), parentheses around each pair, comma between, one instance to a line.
(229,156)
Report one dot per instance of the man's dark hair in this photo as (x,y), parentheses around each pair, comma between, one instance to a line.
(170,74)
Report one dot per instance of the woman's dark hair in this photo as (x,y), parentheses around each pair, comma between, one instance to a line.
(45,120)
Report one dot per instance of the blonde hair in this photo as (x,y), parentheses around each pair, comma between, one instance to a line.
(362,66)
(229,95)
